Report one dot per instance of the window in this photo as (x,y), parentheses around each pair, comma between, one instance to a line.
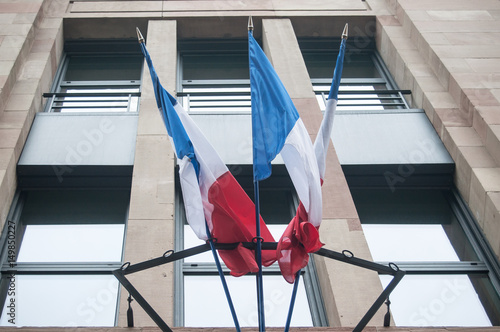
(214,76)
(59,247)
(97,77)
(198,277)
(365,84)
(401,180)
(426,232)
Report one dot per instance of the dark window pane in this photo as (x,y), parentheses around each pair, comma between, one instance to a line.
(403,217)
(104,68)
(276,206)
(55,207)
(215,67)
(321,65)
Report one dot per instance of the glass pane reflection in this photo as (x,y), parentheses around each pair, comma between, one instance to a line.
(206,303)
(436,300)
(72,243)
(410,243)
(88,301)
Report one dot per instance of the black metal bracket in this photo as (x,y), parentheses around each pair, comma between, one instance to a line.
(390,269)
(170,256)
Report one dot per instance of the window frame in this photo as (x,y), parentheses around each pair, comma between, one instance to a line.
(391,99)
(486,265)
(221,104)
(425,176)
(55,98)
(9,267)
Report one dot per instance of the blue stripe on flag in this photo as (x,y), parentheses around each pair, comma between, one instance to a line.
(273,112)
(175,129)
(337,73)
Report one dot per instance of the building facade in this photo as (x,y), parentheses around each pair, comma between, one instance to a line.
(88,178)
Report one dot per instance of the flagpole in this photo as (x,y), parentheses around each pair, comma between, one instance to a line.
(292,301)
(258,258)
(333,93)
(209,236)
(258,249)
(223,280)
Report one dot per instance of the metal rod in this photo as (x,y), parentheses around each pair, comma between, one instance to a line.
(51,102)
(86,100)
(346,256)
(171,257)
(258,258)
(142,301)
(292,301)
(129,102)
(340,104)
(374,92)
(223,280)
(404,100)
(379,301)
(90,94)
(341,92)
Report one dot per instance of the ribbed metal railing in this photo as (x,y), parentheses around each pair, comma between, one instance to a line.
(234,95)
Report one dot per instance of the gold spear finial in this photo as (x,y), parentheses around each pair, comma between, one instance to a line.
(250,23)
(139,35)
(344,33)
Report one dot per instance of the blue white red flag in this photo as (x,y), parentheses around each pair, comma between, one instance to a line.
(212,196)
(325,131)
(301,236)
(277,128)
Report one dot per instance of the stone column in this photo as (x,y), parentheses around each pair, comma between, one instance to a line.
(347,291)
(150,229)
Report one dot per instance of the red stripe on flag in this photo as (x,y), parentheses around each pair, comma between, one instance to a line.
(299,238)
(233,220)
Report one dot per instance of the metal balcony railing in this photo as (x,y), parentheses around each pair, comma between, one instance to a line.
(234,95)
(362,95)
(95,97)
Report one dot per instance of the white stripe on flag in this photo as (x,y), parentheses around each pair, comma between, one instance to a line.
(300,161)
(324,136)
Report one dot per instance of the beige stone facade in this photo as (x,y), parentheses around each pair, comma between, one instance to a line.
(446,52)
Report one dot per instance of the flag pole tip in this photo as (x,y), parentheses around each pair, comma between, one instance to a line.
(250,23)
(139,35)
(345,32)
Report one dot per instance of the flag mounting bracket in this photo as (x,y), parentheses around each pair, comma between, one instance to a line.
(345,256)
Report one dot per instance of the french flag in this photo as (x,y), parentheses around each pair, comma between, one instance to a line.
(301,236)
(216,205)
(277,128)
(325,131)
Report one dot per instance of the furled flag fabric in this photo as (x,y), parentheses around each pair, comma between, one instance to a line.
(212,196)
(301,236)
(277,128)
